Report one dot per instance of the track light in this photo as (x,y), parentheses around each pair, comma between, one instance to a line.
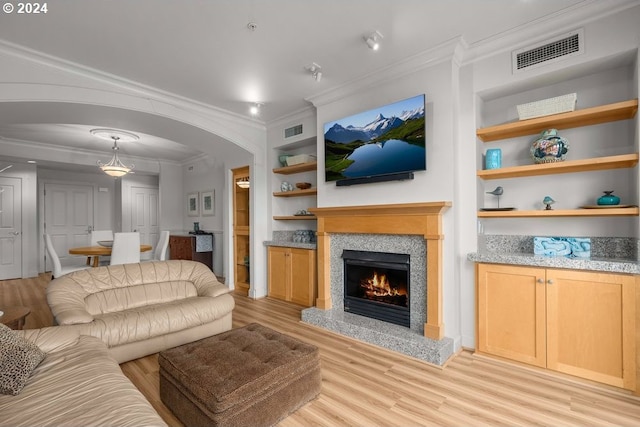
(373,41)
(255,109)
(316,71)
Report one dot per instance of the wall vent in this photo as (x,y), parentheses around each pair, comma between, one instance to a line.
(293,131)
(563,47)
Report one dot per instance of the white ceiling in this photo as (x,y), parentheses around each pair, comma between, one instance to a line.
(203,50)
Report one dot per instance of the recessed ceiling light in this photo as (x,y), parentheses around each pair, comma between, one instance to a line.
(31,161)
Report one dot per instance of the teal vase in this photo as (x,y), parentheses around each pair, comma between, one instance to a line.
(609,199)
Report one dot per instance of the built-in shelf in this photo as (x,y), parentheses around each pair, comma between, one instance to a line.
(632,211)
(297,193)
(302,167)
(569,166)
(295,217)
(585,117)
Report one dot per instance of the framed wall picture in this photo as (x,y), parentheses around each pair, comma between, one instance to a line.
(207,202)
(192,204)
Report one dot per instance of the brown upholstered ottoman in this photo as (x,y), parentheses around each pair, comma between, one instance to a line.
(250,376)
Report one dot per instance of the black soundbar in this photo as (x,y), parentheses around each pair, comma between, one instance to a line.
(400,176)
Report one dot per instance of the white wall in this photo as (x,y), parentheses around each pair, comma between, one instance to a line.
(73,90)
(171,203)
(458,100)
(437,183)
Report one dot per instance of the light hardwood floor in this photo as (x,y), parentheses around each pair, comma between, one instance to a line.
(365,385)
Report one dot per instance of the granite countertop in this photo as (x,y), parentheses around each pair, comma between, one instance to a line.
(290,244)
(595,264)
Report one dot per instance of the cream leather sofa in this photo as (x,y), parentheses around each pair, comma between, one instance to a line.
(141,309)
(77,384)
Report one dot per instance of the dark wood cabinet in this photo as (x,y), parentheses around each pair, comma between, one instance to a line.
(185,247)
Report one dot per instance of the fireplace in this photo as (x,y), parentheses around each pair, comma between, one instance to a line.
(376,285)
(411,228)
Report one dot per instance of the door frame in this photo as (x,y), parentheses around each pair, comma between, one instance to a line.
(20,263)
(41,185)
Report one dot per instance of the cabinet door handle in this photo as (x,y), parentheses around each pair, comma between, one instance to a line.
(550,281)
(540,280)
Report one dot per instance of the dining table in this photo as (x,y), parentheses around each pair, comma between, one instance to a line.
(97,251)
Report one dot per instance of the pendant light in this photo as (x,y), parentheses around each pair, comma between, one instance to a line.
(114,167)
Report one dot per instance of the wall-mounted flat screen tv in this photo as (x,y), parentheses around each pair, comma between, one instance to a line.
(383,141)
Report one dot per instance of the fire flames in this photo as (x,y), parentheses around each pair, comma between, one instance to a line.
(378,286)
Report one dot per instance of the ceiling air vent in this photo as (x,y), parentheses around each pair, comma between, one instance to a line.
(293,131)
(560,48)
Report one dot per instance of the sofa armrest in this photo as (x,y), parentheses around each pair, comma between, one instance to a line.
(52,338)
(213,290)
(73,317)
(66,298)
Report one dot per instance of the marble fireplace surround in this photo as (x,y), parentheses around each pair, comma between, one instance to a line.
(417,226)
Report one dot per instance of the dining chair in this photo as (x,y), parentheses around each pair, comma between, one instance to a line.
(57,270)
(98,236)
(126,248)
(160,252)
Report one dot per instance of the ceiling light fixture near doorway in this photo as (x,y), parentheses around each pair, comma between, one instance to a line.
(243,182)
(115,167)
(373,41)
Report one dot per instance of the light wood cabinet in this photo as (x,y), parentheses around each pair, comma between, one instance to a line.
(577,322)
(292,274)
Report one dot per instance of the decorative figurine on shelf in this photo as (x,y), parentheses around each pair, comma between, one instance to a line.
(609,199)
(286,186)
(497,192)
(548,201)
(549,147)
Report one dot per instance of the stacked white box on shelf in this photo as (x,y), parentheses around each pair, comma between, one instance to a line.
(546,107)
(300,158)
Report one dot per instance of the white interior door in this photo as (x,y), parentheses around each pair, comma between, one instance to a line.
(145,218)
(10,228)
(68,218)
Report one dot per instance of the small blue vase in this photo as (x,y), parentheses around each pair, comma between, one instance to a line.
(609,199)
(493,158)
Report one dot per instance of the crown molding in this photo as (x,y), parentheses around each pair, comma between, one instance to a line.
(294,116)
(128,87)
(461,53)
(545,28)
(437,55)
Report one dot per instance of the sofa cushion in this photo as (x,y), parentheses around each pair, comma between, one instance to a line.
(142,323)
(79,384)
(18,359)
